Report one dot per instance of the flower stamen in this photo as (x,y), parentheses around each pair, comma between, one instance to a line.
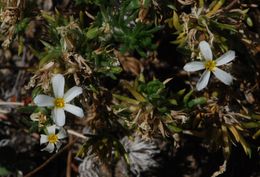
(210,65)
(59,103)
(52,138)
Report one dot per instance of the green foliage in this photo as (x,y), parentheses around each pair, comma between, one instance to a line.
(153,90)
(28,109)
(121,27)
(4,171)
(105,146)
(22,25)
(203,23)
(97,2)
(106,64)
(189,103)
(83,45)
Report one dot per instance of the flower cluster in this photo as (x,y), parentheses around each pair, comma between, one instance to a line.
(59,104)
(210,65)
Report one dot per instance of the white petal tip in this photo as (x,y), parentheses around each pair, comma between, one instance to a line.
(203,81)
(205,50)
(199,88)
(194,66)
(77,111)
(60,123)
(43,100)
(72,93)
(59,117)
(58,82)
(223,76)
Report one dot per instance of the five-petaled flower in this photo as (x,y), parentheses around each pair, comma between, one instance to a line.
(210,66)
(52,138)
(60,102)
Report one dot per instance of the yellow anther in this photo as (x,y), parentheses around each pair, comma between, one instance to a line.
(52,138)
(210,65)
(59,103)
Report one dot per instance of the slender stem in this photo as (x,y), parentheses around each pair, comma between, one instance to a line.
(231,5)
(72,132)
(69,158)
(32,173)
(11,104)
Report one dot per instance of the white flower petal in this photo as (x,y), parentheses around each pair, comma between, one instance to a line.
(51,129)
(226,58)
(62,134)
(49,148)
(58,145)
(203,81)
(194,66)
(35,116)
(72,93)
(223,76)
(43,100)
(43,139)
(59,117)
(58,83)
(74,110)
(205,50)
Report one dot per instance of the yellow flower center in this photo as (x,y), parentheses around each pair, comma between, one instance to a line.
(59,102)
(210,65)
(52,138)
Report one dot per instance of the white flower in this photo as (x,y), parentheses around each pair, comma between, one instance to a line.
(210,66)
(141,154)
(61,101)
(52,138)
(90,167)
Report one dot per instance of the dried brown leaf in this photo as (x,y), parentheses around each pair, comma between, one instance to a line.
(129,64)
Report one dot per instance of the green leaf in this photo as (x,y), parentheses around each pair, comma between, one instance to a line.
(52,54)
(154,87)
(249,22)
(174,128)
(181,92)
(251,124)
(27,109)
(256,135)
(36,91)
(48,17)
(173,102)
(176,22)
(134,4)
(126,99)
(187,97)
(92,33)
(223,26)
(22,25)
(255,116)
(162,109)
(146,3)
(135,94)
(4,171)
(172,7)
(20,46)
(46,44)
(197,101)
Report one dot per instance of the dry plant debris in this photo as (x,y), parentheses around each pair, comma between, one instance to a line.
(125,68)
